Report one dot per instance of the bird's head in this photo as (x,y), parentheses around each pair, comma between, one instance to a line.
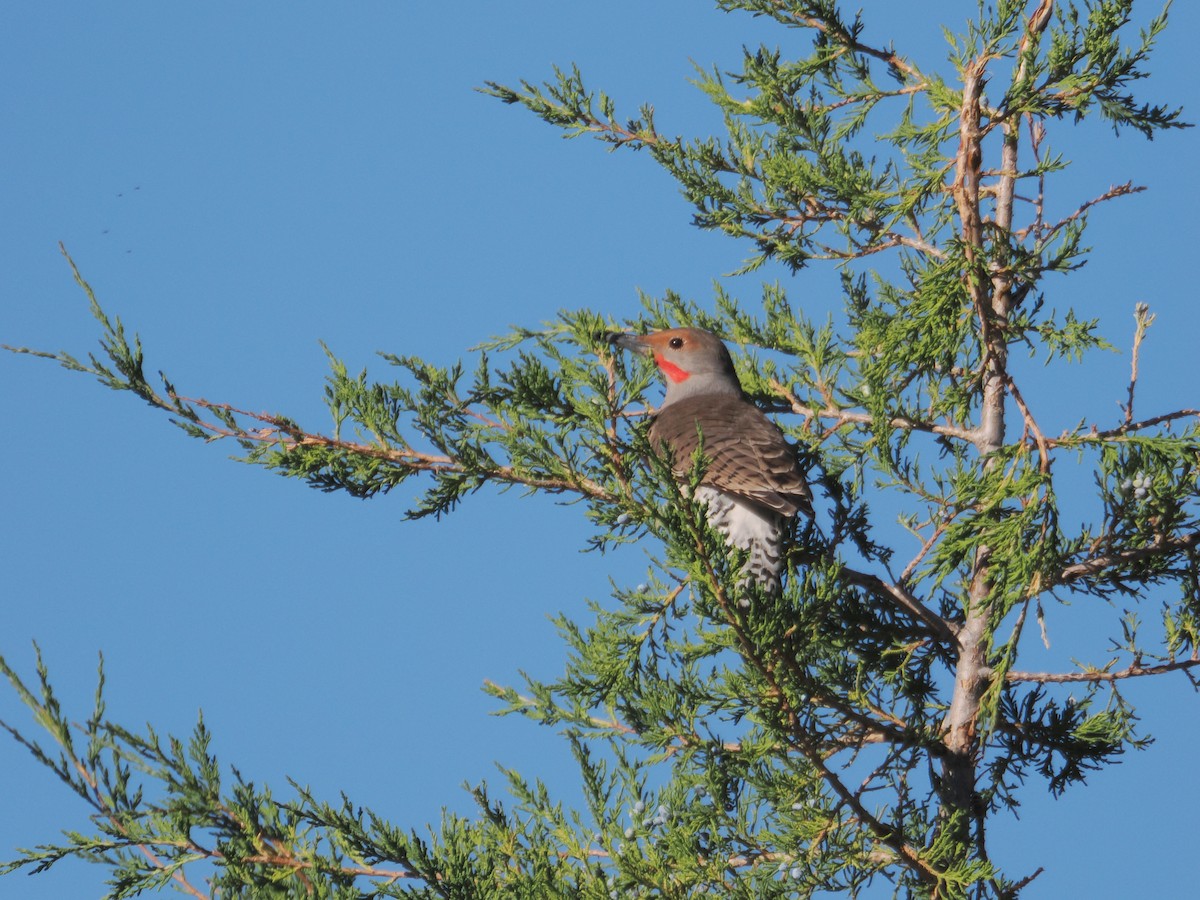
(693,361)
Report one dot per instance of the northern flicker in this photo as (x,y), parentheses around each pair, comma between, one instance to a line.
(753,482)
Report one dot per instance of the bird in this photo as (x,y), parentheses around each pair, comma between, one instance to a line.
(753,483)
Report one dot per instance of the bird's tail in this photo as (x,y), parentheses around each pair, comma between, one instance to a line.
(753,528)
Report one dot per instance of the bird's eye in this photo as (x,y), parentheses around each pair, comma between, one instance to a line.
(676,343)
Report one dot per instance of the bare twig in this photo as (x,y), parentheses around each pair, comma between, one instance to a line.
(1031,426)
(1133,670)
(1095,436)
(1120,190)
(840,417)
(1025,882)
(926,546)
(1144,319)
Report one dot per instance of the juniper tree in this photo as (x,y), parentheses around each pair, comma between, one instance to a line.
(873,719)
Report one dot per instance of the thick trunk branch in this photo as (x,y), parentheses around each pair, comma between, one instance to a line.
(989,284)
(971,675)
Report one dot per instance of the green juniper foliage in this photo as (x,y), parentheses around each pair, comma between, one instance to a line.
(867,724)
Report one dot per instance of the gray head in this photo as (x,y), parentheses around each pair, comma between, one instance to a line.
(692,361)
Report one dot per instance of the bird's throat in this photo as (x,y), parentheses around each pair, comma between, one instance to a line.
(671,370)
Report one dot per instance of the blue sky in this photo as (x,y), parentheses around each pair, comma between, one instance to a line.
(241,181)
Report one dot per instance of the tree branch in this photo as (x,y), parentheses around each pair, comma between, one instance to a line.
(1094,436)
(941,628)
(836,32)
(971,674)
(840,417)
(1144,320)
(1159,547)
(1133,670)
(285,434)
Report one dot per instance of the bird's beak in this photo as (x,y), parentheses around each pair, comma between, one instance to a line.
(635,342)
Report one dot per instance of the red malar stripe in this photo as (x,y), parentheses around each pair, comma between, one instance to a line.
(671,370)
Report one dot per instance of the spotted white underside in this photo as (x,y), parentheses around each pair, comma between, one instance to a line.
(751,527)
